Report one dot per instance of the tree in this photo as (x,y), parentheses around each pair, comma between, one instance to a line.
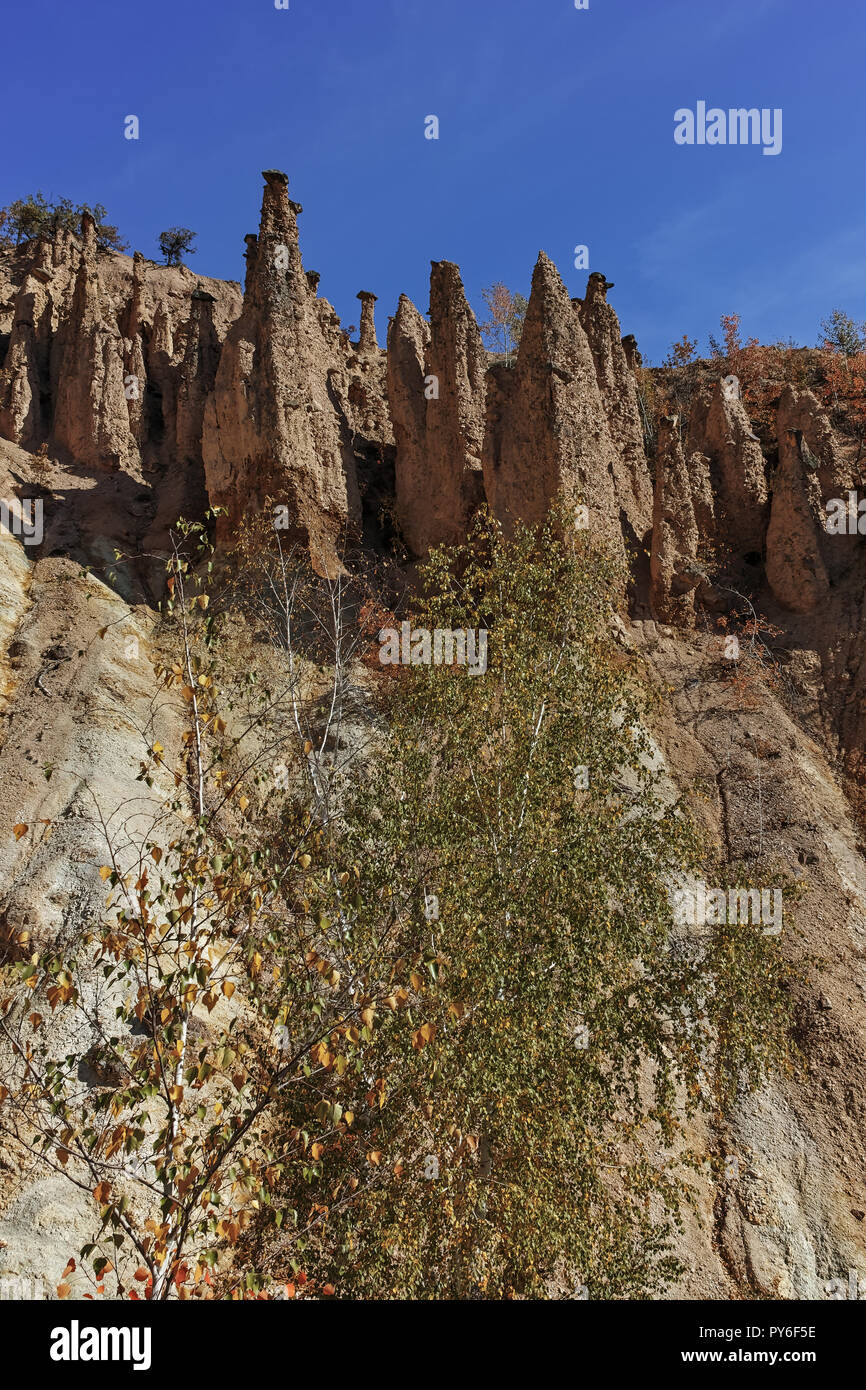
(507,314)
(36,215)
(206,920)
(175,243)
(842,334)
(518,1140)
(681,353)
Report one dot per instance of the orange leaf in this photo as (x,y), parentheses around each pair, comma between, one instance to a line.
(19,830)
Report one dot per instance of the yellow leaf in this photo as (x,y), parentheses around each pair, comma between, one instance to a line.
(423,1035)
(304,861)
(316,1150)
(228,988)
(203,600)
(375,1156)
(244,802)
(176,1094)
(308,747)
(104,872)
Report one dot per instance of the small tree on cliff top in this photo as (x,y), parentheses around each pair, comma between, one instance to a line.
(842,334)
(175,243)
(507,314)
(36,215)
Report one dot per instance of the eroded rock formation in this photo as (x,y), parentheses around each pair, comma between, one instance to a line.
(550,437)
(408,339)
(675,535)
(795,567)
(271,428)
(616,382)
(721,430)
(239,399)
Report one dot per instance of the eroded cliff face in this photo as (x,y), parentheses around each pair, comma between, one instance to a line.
(616,382)
(91,369)
(271,428)
(131,394)
(551,436)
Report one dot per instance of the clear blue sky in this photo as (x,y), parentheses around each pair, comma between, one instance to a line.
(556,128)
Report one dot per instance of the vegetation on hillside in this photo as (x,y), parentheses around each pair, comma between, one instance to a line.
(388,999)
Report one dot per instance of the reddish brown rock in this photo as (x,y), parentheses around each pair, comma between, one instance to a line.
(200,352)
(436,389)
(619,395)
(408,337)
(134,370)
(632,356)
(552,436)
(91,418)
(25,376)
(795,567)
(367,341)
(721,431)
(456,370)
(271,428)
(675,536)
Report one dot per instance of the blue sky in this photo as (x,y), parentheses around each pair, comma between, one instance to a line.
(556,129)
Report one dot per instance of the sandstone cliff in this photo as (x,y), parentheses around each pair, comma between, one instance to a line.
(131,394)
(271,428)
